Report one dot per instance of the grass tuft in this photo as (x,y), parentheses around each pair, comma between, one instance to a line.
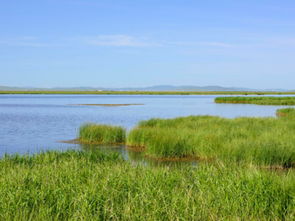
(101,134)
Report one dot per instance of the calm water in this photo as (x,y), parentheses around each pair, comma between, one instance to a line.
(31,123)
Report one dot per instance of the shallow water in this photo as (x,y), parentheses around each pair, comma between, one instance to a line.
(32,123)
(135,157)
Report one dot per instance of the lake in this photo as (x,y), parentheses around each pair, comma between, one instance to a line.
(33,123)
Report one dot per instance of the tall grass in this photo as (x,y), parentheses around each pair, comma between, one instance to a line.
(95,186)
(261,141)
(101,134)
(257,100)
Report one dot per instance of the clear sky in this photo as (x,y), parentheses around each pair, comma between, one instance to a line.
(122,43)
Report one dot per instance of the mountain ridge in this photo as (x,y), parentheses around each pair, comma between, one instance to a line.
(150,88)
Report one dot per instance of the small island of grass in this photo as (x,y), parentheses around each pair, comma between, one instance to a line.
(257,100)
(101,134)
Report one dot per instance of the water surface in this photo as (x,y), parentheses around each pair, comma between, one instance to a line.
(32,123)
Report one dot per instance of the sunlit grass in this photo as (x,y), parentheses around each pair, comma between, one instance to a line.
(101,134)
(261,141)
(77,185)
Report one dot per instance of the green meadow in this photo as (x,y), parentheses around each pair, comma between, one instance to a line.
(90,185)
(257,100)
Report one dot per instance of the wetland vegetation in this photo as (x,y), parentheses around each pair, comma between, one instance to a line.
(286,112)
(260,141)
(101,134)
(90,185)
(263,142)
(245,172)
(257,100)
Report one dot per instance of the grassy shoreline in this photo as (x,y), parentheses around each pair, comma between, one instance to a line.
(286,112)
(154,92)
(260,141)
(265,142)
(257,100)
(90,185)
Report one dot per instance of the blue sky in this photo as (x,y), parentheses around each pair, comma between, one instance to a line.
(48,43)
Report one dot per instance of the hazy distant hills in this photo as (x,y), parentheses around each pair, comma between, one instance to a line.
(152,88)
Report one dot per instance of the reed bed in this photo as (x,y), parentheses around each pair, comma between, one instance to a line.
(101,134)
(260,141)
(257,100)
(76,185)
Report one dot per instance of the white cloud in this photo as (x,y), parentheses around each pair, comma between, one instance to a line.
(25,41)
(118,41)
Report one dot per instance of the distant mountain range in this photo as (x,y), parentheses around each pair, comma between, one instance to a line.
(152,88)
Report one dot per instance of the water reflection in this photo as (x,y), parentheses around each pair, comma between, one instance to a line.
(134,157)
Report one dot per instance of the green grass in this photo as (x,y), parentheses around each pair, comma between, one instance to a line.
(77,185)
(286,112)
(259,141)
(153,92)
(257,100)
(101,134)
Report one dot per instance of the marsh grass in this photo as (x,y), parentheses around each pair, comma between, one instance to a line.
(90,185)
(261,141)
(101,134)
(286,112)
(257,100)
